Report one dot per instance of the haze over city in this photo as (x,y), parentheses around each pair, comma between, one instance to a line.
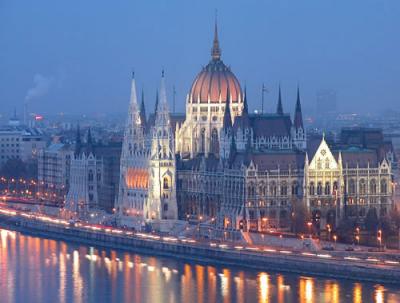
(77,56)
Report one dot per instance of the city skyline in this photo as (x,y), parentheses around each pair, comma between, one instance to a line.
(75,62)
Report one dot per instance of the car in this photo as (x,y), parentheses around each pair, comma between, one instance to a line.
(349,248)
(329,248)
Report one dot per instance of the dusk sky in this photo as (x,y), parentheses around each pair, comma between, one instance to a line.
(77,56)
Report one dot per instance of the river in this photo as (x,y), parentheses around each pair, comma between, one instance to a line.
(40,270)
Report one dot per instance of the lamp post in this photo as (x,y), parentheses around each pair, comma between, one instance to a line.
(309,224)
(379,238)
(329,228)
(358,235)
(335,239)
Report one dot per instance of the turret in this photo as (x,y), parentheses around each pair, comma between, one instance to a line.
(279,108)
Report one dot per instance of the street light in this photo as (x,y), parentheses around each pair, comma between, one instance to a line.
(329,228)
(309,224)
(379,238)
(335,238)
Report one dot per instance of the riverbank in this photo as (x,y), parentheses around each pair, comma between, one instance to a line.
(328,265)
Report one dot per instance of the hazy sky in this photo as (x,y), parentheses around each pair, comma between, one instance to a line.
(77,56)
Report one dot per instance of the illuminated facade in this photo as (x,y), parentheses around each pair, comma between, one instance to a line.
(224,165)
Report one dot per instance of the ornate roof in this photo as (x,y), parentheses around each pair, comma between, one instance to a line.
(212,83)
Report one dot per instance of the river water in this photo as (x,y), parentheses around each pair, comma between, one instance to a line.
(39,270)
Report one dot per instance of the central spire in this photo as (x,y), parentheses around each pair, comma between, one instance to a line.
(216,51)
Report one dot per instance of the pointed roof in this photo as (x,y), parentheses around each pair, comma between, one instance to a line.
(216,51)
(162,114)
(298,117)
(156,105)
(143,112)
(245,112)
(227,123)
(279,109)
(89,142)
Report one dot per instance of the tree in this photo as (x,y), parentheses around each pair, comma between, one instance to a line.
(300,217)
(14,168)
(371,220)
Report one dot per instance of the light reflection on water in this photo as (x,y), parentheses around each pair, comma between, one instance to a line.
(42,270)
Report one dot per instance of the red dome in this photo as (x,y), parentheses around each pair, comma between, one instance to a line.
(212,82)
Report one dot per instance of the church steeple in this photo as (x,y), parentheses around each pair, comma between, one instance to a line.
(279,109)
(298,117)
(156,105)
(216,51)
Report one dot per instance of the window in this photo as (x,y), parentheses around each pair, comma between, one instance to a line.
(283,189)
(90,177)
(214,142)
(363,188)
(312,189)
(327,188)
(327,163)
(295,188)
(166,183)
(383,186)
(165,207)
(203,140)
(352,186)
(319,188)
(372,187)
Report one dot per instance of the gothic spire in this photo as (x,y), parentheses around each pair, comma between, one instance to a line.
(216,51)
(227,124)
(162,114)
(245,112)
(143,120)
(156,105)
(279,109)
(298,117)
(89,142)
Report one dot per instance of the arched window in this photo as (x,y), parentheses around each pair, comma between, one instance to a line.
(335,187)
(203,140)
(214,142)
(372,187)
(166,183)
(295,188)
(363,187)
(352,186)
(327,188)
(283,189)
(327,163)
(383,186)
(90,176)
(312,189)
(319,188)
(319,164)
(273,189)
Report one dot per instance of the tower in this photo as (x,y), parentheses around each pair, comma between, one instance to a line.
(133,185)
(161,203)
(299,132)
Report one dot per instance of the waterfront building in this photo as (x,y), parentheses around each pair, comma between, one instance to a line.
(237,170)
(94,177)
(54,163)
(20,142)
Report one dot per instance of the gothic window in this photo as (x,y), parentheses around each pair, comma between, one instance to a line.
(312,189)
(295,188)
(363,188)
(90,177)
(273,189)
(165,207)
(352,186)
(214,141)
(335,187)
(283,189)
(319,188)
(383,186)
(203,140)
(327,188)
(326,163)
(166,183)
(372,188)
(319,164)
